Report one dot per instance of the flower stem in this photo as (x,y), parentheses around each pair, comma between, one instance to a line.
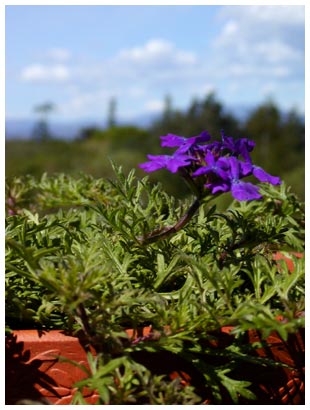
(84,319)
(164,233)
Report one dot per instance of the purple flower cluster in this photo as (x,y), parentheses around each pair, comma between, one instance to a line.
(218,166)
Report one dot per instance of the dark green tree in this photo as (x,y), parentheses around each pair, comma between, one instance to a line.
(41,130)
(88,132)
(207,114)
(279,138)
(280,142)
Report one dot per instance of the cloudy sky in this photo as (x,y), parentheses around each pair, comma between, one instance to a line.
(79,57)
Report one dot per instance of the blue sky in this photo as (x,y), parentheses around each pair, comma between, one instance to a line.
(79,57)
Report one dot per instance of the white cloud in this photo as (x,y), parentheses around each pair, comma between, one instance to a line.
(85,102)
(44,73)
(157,65)
(136,92)
(276,51)
(261,40)
(268,88)
(133,75)
(230,28)
(157,52)
(272,16)
(202,89)
(154,106)
(59,54)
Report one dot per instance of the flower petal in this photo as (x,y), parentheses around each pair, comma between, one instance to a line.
(156,162)
(201,171)
(263,176)
(171,140)
(246,168)
(245,191)
(204,136)
(150,166)
(177,162)
(219,186)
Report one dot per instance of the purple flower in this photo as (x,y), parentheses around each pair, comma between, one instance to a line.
(171,162)
(244,146)
(184,144)
(217,167)
(218,185)
(263,176)
(244,191)
(216,172)
(240,190)
(240,146)
(217,163)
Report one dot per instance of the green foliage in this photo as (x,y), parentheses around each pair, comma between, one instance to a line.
(75,260)
(123,381)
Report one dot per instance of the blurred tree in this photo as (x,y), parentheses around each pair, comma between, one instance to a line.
(168,111)
(41,130)
(207,114)
(112,113)
(88,132)
(194,110)
(264,126)
(294,127)
(168,120)
(210,115)
(279,138)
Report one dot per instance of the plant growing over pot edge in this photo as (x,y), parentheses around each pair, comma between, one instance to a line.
(97,257)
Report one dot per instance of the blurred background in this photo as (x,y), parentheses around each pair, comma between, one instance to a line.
(85,84)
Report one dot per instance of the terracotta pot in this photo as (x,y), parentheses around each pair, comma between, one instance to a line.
(33,371)
(275,385)
(271,385)
(280,385)
(278,256)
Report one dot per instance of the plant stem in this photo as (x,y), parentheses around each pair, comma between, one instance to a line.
(164,233)
(84,319)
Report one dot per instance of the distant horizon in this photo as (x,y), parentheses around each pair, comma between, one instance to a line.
(72,126)
(235,109)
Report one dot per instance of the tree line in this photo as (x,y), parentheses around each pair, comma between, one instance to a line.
(279,138)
